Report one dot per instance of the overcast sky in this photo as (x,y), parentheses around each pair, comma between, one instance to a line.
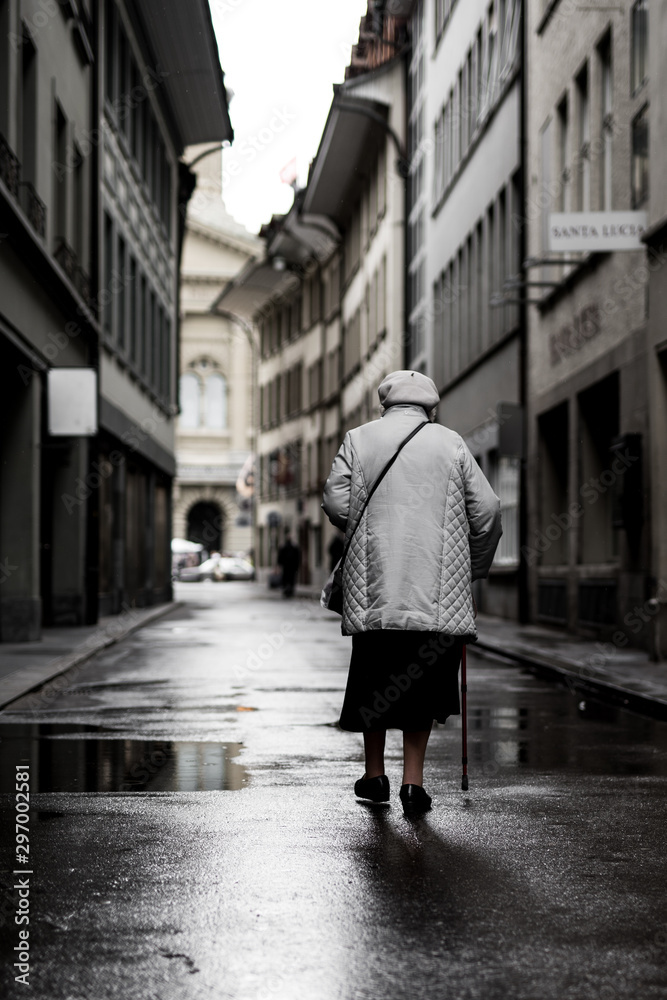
(280,59)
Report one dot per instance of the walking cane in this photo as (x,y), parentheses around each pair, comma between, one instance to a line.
(464,721)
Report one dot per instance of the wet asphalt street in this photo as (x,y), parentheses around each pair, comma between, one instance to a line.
(194,833)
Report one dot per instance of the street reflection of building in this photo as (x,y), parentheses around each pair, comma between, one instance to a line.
(327,300)
(93,119)
(465,190)
(71,761)
(588,428)
(214,434)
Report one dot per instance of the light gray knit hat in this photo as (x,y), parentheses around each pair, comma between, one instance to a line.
(412,388)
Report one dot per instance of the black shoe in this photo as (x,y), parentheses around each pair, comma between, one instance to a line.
(415,799)
(375,789)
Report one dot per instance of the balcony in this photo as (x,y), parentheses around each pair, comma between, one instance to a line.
(26,214)
(68,261)
(33,206)
(66,258)
(22,191)
(10,168)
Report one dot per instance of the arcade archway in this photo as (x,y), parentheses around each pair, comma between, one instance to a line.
(205,522)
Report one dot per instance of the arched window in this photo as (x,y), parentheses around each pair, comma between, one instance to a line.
(216,401)
(189,400)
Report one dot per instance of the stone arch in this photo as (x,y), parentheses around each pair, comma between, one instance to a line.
(188,497)
(204,525)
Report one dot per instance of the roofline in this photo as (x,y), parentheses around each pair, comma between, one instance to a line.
(237,241)
(370,74)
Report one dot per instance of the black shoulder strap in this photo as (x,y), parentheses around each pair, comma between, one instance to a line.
(379,480)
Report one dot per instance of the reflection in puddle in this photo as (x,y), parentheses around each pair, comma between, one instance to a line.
(554,730)
(73,759)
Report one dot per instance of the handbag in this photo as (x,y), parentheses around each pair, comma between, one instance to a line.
(332,592)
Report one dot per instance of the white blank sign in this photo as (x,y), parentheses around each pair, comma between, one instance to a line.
(72,396)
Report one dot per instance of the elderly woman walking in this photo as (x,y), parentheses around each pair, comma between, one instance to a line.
(431,527)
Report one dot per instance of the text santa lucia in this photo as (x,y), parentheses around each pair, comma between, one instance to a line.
(597,232)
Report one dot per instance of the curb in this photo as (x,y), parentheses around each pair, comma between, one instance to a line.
(572,678)
(29,679)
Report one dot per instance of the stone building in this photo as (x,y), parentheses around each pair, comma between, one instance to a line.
(589,435)
(328,299)
(94,116)
(215,428)
(656,350)
(465,127)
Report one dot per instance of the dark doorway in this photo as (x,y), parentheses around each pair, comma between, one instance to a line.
(205,525)
(554,454)
(599,411)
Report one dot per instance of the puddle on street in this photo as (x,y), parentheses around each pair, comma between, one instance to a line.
(542,727)
(69,758)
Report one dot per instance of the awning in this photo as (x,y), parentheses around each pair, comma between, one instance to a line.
(354,125)
(253,288)
(291,242)
(185,49)
(301,237)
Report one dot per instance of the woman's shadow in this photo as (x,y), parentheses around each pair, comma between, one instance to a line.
(429,900)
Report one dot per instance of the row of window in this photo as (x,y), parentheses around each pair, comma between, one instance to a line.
(203,398)
(360,335)
(65,228)
(416,219)
(366,214)
(489,62)
(315,377)
(318,298)
(128,104)
(136,324)
(286,322)
(582,156)
(443,12)
(287,469)
(367,323)
(465,325)
(282,397)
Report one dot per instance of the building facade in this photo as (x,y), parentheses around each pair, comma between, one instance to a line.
(589,436)
(215,427)
(93,120)
(465,127)
(656,349)
(328,299)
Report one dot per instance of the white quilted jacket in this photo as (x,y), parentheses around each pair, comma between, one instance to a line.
(431,528)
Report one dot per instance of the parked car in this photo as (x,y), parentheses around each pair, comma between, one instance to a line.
(235,568)
(218,568)
(210,568)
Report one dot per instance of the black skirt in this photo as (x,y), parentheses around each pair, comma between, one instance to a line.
(401,680)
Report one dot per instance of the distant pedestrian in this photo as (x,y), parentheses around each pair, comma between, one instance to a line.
(431,528)
(289,560)
(336,547)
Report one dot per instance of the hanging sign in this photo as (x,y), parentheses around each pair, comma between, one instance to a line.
(576,231)
(72,401)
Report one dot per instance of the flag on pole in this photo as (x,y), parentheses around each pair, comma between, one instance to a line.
(288,172)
